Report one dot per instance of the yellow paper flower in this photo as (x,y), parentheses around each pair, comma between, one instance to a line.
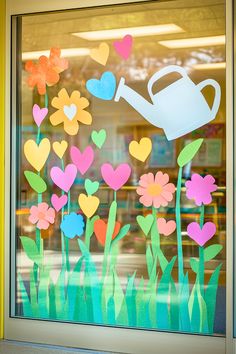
(70,111)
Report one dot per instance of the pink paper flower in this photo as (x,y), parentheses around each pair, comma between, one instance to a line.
(155,190)
(166,228)
(42,215)
(200,188)
(201,235)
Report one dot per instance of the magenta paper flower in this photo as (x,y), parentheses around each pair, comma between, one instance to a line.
(201,235)
(42,215)
(155,190)
(200,188)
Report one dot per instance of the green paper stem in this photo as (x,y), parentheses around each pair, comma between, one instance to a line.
(178,229)
(115,196)
(155,236)
(46,99)
(201,256)
(38,136)
(62,235)
(87,234)
(66,238)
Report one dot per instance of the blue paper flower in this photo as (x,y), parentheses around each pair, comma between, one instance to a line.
(72,225)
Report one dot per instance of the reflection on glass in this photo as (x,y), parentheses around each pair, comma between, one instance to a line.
(142,245)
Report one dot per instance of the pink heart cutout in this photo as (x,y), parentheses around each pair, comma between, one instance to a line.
(166,228)
(201,236)
(82,160)
(39,114)
(115,179)
(64,179)
(123,47)
(58,202)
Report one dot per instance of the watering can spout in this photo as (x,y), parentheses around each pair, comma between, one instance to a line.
(140,104)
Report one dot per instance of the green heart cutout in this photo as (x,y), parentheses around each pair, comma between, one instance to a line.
(90,186)
(145,222)
(99,137)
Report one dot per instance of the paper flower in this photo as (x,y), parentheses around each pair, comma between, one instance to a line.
(155,190)
(100,230)
(200,188)
(42,215)
(201,235)
(46,71)
(72,225)
(166,228)
(70,111)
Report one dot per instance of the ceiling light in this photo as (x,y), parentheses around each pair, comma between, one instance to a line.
(67,52)
(194,42)
(140,31)
(207,66)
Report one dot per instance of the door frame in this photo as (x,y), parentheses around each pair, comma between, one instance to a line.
(108,338)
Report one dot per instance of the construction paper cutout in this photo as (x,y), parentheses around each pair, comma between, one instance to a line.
(201,236)
(59,202)
(100,54)
(70,111)
(140,150)
(103,88)
(88,204)
(31,249)
(72,225)
(60,148)
(166,228)
(124,47)
(35,181)
(100,230)
(200,188)
(42,215)
(91,187)
(145,223)
(179,108)
(82,160)
(188,152)
(99,137)
(39,114)
(115,178)
(211,252)
(122,233)
(64,179)
(37,154)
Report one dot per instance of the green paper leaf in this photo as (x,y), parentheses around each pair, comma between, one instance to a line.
(145,222)
(31,250)
(43,293)
(99,137)
(123,232)
(211,252)
(188,152)
(27,308)
(35,181)
(90,225)
(149,260)
(130,300)
(90,186)
(194,264)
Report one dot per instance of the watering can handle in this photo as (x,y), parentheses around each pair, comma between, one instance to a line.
(165,71)
(216,103)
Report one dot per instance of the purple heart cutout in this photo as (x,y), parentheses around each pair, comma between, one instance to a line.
(64,179)
(201,236)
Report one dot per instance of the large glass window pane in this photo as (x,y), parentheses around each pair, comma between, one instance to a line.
(119,210)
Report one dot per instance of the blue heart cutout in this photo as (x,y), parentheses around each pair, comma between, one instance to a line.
(103,88)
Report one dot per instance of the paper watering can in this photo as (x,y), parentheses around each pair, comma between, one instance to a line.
(179,108)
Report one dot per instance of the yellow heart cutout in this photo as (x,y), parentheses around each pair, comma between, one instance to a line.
(140,150)
(100,54)
(37,154)
(60,148)
(88,204)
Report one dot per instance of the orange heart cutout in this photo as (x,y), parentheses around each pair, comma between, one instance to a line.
(60,148)
(37,154)
(100,54)
(100,229)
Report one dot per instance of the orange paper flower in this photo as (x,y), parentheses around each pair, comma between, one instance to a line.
(46,71)
(70,111)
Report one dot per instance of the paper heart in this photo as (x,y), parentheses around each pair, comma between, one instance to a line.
(39,114)
(64,179)
(103,88)
(100,54)
(82,160)
(115,179)
(123,47)
(70,111)
(166,227)
(91,187)
(37,154)
(59,202)
(201,236)
(60,148)
(140,150)
(100,230)
(99,137)
(88,204)
(145,222)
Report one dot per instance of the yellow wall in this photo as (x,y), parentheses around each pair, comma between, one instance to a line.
(2,117)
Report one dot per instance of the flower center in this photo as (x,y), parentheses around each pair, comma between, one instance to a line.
(41,215)
(154,189)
